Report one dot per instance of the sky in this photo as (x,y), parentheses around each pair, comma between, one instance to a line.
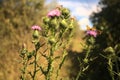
(81,9)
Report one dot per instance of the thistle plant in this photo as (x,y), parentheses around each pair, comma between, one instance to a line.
(26,56)
(91,34)
(113,61)
(57,30)
(110,55)
(24,62)
(90,40)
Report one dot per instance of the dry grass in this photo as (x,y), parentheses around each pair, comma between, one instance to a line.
(9,62)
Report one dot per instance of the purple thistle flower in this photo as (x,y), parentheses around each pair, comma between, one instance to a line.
(36,28)
(53,13)
(92,33)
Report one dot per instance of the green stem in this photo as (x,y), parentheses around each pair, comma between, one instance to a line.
(49,68)
(57,73)
(80,71)
(88,51)
(77,78)
(117,67)
(25,62)
(35,65)
(61,63)
(111,69)
(83,63)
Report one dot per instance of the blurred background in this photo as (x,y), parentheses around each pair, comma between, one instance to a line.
(17,17)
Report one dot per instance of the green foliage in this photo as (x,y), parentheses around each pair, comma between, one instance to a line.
(103,61)
(107,61)
(108,20)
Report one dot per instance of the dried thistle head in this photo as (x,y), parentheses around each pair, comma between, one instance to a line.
(24,46)
(73,18)
(59,7)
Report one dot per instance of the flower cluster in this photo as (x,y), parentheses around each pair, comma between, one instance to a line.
(92,33)
(36,28)
(53,13)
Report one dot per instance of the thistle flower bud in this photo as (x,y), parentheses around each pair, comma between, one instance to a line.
(53,22)
(71,26)
(85,60)
(23,51)
(91,40)
(30,54)
(35,34)
(109,50)
(46,20)
(66,12)
(63,23)
(52,40)
(71,23)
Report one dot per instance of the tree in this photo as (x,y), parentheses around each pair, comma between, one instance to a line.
(107,21)
(108,18)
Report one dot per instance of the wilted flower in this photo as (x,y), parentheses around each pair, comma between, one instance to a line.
(59,7)
(36,28)
(92,33)
(72,18)
(53,13)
